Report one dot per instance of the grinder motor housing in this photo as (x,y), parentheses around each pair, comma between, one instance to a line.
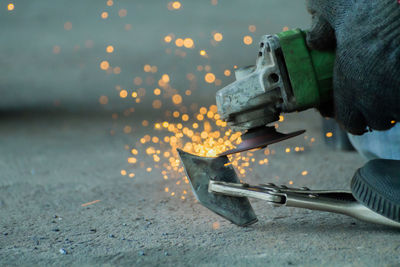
(287,77)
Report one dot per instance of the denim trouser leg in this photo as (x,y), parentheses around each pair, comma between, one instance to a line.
(378,144)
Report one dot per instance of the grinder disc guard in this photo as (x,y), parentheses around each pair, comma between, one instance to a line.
(259,138)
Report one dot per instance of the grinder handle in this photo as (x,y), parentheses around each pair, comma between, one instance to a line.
(310,71)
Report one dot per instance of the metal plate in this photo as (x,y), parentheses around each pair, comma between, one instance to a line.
(200,171)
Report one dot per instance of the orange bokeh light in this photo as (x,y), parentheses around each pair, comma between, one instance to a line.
(177,99)
(218,37)
(209,77)
(104,65)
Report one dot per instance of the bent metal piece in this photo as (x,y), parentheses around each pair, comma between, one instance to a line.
(200,171)
(259,138)
(217,187)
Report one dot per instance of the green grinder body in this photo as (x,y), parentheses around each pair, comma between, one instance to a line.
(310,71)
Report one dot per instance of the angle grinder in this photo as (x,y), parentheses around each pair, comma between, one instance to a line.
(288,76)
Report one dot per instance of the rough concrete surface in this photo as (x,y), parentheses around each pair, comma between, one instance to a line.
(52,164)
(59,148)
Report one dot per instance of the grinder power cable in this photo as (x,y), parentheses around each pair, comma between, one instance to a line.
(287,77)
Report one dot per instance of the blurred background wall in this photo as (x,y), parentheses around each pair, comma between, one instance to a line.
(51,51)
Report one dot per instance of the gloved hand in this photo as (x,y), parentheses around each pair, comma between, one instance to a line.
(366,78)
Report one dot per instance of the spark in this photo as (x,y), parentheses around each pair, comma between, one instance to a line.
(227,73)
(215,225)
(329,134)
(214,108)
(165,78)
(132,160)
(103,100)
(167,39)
(123,93)
(90,203)
(127,129)
(209,77)
(176,5)
(147,68)
(137,81)
(218,37)
(188,43)
(104,15)
(177,99)
(157,104)
(10,7)
(110,49)
(190,77)
(104,65)
(179,42)
(304,173)
(248,40)
(185,117)
(117,70)
(122,13)
(157,91)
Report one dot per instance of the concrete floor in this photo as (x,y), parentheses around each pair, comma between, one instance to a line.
(52,164)
(63,200)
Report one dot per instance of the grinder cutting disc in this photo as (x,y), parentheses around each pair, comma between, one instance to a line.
(259,138)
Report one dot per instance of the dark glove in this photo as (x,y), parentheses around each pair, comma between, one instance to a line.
(366,78)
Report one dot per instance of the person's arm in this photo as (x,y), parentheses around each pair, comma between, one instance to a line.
(366,79)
